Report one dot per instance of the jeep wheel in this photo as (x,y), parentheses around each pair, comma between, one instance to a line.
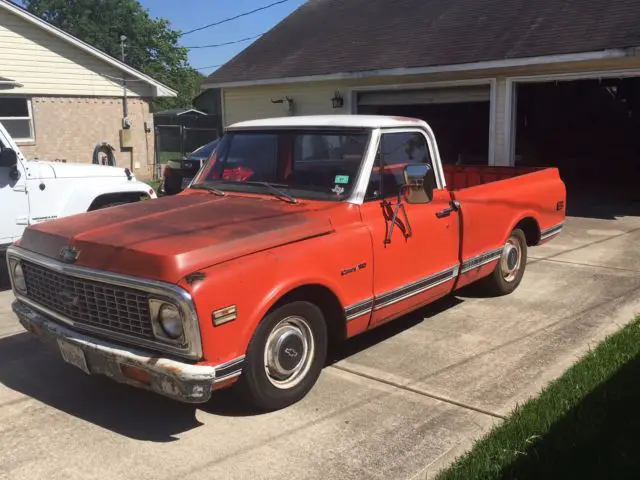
(510,269)
(285,356)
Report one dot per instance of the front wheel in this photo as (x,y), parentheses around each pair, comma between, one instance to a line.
(285,356)
(510,269)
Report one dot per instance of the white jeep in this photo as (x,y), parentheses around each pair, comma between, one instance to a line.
(33,191)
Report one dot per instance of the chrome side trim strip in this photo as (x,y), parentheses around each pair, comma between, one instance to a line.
(414,288)
(182,298)
(230,369)
(481,260)
(358,309)
(550,232)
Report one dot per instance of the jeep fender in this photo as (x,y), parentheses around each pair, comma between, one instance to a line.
(82,197)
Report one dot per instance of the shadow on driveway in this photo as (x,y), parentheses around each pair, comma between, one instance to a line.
(388,330)
(596,439)
(5,283)
(30,368)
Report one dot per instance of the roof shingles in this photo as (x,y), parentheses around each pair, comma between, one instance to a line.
(338,36)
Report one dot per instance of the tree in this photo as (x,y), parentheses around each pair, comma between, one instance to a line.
(152,45)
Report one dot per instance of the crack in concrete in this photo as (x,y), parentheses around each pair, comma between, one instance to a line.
(420,391)
(597,242)
(571,317)
(584,264)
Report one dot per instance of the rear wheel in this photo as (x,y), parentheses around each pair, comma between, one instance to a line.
(285,356)
(510,269)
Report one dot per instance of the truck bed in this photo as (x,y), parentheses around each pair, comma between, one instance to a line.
(494,200)
(459,177)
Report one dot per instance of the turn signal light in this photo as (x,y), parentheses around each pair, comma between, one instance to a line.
(136,374)
(224,315)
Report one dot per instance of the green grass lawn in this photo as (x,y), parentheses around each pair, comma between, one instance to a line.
(164,157)
(586,424)
(155,184)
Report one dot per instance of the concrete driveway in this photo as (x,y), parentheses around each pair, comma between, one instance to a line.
(400,402)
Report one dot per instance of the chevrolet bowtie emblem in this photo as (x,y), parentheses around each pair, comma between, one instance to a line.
(68,298)
(69,254)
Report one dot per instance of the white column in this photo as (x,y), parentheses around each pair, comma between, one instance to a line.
(504,122)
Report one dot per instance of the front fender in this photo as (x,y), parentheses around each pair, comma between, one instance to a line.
(255,283)
(86,192)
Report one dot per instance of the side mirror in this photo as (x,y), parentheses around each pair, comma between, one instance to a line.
(418,185)
(8,158)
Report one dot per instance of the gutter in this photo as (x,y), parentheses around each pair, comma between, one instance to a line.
(10,83)
(462,67)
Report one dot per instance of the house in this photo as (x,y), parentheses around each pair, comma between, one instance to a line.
(502,82)
(60,97)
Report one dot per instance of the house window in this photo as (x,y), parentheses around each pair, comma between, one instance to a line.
(17,118)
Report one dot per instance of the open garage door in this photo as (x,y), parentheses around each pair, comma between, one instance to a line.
(427,96)
(459,117)
(589,129)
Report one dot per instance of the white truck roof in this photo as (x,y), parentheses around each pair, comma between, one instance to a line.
(339,121)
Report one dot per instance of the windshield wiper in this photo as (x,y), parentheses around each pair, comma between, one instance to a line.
(209,188)
(285,197)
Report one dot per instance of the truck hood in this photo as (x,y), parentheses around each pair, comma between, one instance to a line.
(45,170)
(168,238)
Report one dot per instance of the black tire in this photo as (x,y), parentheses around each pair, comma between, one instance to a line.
(257,386)
(501,281)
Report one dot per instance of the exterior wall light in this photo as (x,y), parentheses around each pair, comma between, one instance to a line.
(337,100)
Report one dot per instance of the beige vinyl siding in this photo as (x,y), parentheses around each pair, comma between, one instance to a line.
(47,65)
(251,103)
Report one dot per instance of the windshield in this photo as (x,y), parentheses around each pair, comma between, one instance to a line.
(205,151)
(320,165)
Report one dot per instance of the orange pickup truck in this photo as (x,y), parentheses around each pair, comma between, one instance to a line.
(298,232)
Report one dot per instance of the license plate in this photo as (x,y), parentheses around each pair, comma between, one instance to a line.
(186,182)
(73,355)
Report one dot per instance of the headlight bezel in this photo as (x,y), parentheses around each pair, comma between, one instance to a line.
(156,305)
(14,264)
(169,318)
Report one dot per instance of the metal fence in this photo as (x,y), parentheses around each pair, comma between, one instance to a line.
(174,142)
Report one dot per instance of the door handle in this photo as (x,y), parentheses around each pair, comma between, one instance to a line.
(444,213)
(455,206)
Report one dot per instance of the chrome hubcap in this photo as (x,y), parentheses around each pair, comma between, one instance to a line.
(511,259)
(289,352)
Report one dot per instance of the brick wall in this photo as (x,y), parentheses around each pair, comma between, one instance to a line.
(70,127)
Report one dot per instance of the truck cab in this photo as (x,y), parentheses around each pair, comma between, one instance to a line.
(34,191)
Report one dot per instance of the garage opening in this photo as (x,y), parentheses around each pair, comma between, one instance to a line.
(590,129)
(459,117)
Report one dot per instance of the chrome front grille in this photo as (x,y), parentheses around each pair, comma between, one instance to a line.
(90,303)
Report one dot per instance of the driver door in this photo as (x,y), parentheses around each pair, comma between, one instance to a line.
(416,262)
(13,198)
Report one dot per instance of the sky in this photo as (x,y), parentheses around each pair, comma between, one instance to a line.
(189,14)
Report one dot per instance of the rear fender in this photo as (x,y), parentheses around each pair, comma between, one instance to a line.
(523,217)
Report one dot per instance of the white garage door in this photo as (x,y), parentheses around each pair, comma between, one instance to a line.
(476,93)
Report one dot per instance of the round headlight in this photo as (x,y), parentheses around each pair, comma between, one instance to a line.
(18,278)
(170,321)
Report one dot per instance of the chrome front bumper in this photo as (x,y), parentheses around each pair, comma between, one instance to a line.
(180,381)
